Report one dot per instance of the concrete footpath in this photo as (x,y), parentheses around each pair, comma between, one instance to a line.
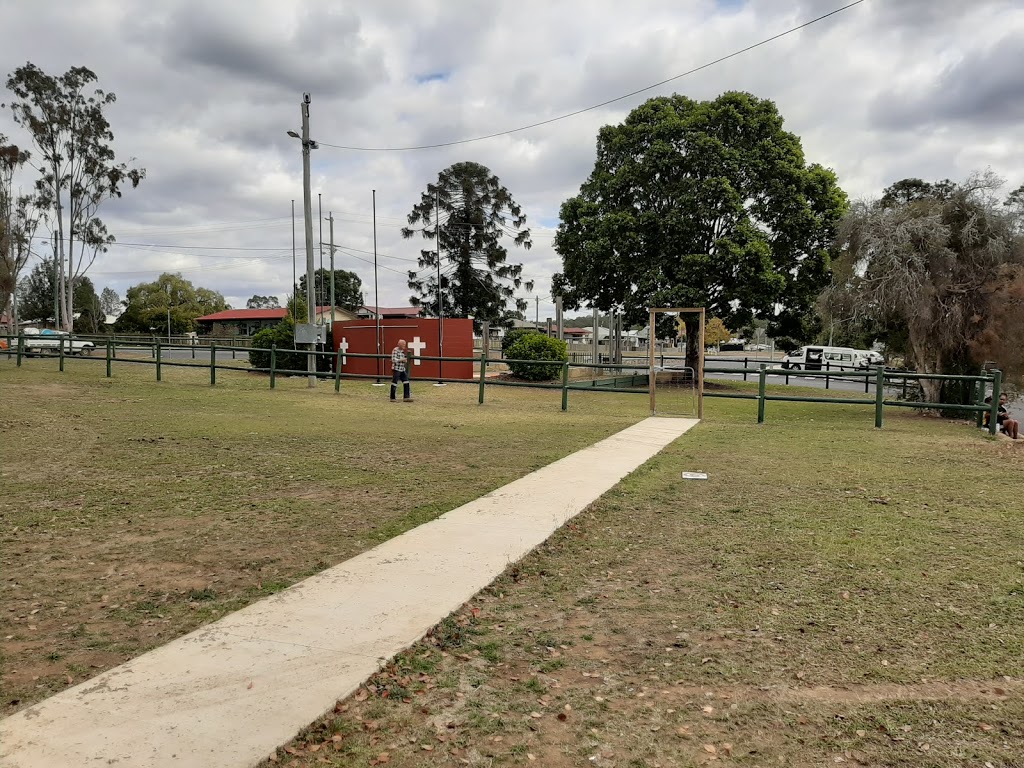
(231,692)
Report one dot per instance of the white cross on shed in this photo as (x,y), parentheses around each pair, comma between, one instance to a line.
(417,348)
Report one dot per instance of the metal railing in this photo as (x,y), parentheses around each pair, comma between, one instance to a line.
(624,378)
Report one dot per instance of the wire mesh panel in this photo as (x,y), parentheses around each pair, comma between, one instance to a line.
(676,385)
(675,391)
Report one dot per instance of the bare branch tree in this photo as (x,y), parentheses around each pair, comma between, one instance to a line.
(936,262)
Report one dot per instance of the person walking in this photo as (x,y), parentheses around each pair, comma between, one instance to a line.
(400,372)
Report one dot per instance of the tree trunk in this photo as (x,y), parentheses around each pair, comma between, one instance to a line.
(692,343)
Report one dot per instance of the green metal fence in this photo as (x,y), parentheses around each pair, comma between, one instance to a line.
(628,378)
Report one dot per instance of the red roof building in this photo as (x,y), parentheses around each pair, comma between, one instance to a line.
(246,322)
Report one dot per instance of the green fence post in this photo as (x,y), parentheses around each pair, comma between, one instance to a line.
(21,347)
(879,395)
(273,364)
(110,352)
(980,399)
(159,357)
(993,413)
(565,386)
(483,372)
(761,379)
(213,363)
(61,353)
(337,371)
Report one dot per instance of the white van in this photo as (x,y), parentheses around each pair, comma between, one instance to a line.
(813,358)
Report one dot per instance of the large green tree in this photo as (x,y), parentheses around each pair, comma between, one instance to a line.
(170,298)
(701,204)
(78,170)
(944,266)
(348,288)
(471,212)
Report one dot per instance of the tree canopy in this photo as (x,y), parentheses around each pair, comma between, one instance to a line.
(701,204)
(348,288)
(263,302)
(943,270)
(147,305)
(110,302)
(474,213)
(36,294)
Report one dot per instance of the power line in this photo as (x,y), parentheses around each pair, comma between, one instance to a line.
(603,103)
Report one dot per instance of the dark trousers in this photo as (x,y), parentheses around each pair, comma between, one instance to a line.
(397,376)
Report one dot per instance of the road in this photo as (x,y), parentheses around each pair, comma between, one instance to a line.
(848,385)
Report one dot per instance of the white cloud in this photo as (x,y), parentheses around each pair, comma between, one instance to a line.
(207,90)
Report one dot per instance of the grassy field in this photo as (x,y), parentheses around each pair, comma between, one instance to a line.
(132,512)
(831,595)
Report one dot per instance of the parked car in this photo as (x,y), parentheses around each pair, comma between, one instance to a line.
(37,342)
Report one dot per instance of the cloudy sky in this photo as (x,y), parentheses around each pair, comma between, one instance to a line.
(206,91)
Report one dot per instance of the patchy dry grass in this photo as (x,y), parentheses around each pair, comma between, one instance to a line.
(133,512)
(831,595)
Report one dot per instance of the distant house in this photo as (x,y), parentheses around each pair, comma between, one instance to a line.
(370,312)
(246,322)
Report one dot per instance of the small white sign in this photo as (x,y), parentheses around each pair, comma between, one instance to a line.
(695,475)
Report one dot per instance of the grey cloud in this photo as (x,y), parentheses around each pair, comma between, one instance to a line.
(324,52)
(983,88)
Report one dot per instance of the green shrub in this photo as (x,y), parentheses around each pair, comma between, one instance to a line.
(537,346)
(512,335)
(283,335)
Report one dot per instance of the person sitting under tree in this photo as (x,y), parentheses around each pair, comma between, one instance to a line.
(1010,427)
(399,372)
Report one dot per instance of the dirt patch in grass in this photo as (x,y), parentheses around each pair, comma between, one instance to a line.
(134,512)
(832,595)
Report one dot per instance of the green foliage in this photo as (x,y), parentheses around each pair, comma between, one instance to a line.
(701,204)
(263,302)
(147,306)
(474,213)
(282,336)
(110,302)
(348,288)
(36,295)
(88,308)
(512,335)
(297,308)
(932,267)
(537,346)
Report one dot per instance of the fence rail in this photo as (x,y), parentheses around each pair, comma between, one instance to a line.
(625,378)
